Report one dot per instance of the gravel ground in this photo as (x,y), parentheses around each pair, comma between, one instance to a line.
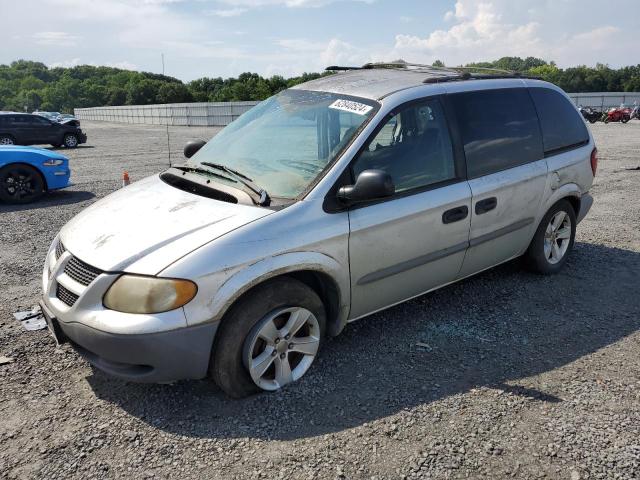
(516,375)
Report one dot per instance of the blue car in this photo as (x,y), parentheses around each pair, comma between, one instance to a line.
(27,172)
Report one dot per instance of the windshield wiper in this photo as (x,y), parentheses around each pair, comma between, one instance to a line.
(263,197)
(187,168)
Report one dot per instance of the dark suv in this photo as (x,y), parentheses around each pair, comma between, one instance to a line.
(27,129)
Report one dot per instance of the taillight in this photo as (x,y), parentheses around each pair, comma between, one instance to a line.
(594,161)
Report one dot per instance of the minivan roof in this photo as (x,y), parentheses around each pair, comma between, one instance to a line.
(376,81)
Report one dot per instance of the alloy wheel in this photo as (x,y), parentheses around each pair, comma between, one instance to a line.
(557,237)
(282,347)
(19,184)
(71,141)
(6,141)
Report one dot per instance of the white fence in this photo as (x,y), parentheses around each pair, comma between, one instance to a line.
(186,114)
(223,113)
(602,100)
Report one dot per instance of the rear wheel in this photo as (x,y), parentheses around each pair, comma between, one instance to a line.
(6,140)
(625,118)
(270,338)
(20,184)
(553,240)
(70,140)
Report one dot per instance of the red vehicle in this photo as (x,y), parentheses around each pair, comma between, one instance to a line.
(620,114)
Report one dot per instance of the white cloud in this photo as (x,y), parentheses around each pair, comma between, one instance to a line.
(489,29)
(62,39)
(228,12)
(288,3)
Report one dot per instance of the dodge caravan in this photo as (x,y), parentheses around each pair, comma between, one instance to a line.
(332,200)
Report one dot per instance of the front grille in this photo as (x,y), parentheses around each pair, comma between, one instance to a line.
(59,249)
(81,272)
(65,296)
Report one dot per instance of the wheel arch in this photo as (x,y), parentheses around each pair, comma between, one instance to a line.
(318,271)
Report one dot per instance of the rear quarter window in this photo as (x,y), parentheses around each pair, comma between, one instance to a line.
(499,129)
(562,126)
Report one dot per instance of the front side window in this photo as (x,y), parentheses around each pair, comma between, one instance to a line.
(499,129)
(562,125)
(39,121)
(284,143)
(413,146)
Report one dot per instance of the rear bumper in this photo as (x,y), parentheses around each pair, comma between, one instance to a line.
(147,358)
(586,201)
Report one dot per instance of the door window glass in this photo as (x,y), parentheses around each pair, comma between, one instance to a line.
(413,146)
(499,129)
(37,121)
(19,121)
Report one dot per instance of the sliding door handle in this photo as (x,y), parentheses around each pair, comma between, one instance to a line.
(486,205)
(455,214)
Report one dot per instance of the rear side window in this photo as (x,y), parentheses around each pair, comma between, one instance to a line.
(562,127)
(499,129)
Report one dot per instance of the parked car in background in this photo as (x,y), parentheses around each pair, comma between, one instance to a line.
(27,172)
(328,202)
(49,115)
(28,129)
(68,119)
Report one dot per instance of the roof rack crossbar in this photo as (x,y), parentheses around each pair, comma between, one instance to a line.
(441,74)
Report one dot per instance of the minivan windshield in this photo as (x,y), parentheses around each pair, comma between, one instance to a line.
(285,142)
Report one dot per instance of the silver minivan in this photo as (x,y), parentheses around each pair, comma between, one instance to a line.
(326,203)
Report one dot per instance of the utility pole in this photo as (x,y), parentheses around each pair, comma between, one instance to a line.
(162,55)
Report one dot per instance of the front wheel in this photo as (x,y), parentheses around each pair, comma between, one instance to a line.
(20,184)
(269,338)
(625,119)
(553,240)
(70,140)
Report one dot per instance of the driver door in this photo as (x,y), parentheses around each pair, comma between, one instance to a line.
(405,245)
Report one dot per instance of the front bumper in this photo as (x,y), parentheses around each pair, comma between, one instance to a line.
(82,137)
(141,348)
(146,358)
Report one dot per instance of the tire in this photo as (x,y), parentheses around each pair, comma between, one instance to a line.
(541,257)
(20,183)
(239,340)
(606,120)
(593,120)
(625,119)
(70,140)
(7,140)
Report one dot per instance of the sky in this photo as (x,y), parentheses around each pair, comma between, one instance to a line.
(224,38)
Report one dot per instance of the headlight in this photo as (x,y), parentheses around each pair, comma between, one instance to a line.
(52,162)
(137,294)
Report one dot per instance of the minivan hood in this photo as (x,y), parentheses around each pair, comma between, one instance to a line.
(148,225)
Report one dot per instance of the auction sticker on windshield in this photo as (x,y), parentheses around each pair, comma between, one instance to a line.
(351,106)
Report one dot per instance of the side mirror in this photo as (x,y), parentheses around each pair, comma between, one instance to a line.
(370,185)
(192,147)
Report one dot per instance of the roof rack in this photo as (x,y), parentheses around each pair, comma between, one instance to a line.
(438,74)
